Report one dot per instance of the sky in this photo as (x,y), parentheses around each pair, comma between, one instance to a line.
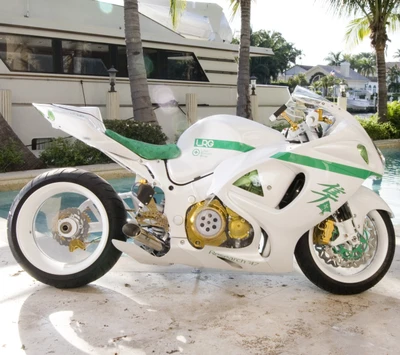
(308,24)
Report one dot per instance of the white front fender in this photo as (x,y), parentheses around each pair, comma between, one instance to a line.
(363,202)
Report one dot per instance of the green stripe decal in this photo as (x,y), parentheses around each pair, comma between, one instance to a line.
(219,144)
(325,165)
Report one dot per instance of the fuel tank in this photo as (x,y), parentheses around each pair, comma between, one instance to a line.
(216,138)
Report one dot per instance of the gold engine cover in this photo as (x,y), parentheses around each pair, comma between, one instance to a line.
(210,223)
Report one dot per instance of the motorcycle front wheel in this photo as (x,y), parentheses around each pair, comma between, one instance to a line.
(60,227)
(345,269)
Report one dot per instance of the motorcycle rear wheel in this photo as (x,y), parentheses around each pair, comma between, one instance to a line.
(60,227)
(358,275)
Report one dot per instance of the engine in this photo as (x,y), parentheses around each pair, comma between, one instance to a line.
(211,223)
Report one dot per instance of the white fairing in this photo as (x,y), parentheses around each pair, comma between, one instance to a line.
(214,139)
(219,151)
(365,201)
(86,124)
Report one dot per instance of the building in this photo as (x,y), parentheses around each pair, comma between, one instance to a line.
(353,79)
(56,51)
(295,70)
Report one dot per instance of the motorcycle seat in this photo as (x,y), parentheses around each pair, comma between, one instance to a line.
(146,150)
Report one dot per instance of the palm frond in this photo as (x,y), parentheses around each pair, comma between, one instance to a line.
(176,8)
(357,30)
(394,22)
(235,5)
(346,7)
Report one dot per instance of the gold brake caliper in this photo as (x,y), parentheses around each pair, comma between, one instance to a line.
(323,232)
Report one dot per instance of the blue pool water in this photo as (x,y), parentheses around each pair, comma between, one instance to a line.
(6,198)
(388,188)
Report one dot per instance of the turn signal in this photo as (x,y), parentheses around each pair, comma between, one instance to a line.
(363,153)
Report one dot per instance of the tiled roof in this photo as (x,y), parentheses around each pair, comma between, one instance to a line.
(353,75)
(305,67)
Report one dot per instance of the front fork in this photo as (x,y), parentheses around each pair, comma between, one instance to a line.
(338,229)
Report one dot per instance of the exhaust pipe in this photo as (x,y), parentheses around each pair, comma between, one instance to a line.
(132,230)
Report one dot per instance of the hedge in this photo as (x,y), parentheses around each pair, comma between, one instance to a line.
(70,152)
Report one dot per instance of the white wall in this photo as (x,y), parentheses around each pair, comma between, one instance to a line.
(212,99)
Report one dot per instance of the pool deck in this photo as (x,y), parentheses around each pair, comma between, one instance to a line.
(141,309)
(18,179)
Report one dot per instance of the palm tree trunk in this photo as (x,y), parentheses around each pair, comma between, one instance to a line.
(142,108)
(28,160)
(243,108)
(382,89)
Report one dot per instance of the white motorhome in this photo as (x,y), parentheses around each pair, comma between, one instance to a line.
(54,51)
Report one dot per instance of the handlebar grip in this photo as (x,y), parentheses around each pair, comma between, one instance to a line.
(279,111)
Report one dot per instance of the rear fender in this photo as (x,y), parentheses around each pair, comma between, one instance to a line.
(86,124)
(363,202)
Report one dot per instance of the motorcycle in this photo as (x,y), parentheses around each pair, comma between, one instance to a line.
(232,194)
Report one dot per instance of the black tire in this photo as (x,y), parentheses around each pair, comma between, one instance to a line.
(316,274)
(116,216)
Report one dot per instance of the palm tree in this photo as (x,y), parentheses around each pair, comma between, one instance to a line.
(243,107)
(351,59)
(367,66)
(142,108)
(397,54)
(326,82)
(393,79)
(9,140)
(377,17)
(334,59)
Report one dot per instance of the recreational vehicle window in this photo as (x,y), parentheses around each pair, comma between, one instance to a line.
(85,58)
(46,55)
(26,53)
(165,65)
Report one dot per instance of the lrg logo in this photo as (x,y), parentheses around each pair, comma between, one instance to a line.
(204,143)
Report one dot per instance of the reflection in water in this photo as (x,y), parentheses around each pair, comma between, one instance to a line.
(392,169)
(376,185)
(389,186)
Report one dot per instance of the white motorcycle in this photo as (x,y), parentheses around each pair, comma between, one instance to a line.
(231,194)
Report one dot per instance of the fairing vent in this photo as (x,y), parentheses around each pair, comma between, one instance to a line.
(293,191)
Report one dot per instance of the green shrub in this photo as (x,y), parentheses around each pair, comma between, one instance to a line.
(378,131)
(10,157)
(280,126)
(394,113)
(137,130)
(68,152)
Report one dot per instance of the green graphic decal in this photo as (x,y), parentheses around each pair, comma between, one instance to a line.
(325,165)
(219,144)
(50,116)
(251,183)
(325,207)
(356,252)
(331,192)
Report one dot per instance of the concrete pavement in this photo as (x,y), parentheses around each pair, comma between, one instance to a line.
(138,309)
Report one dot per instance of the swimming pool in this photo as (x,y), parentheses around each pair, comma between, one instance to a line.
(6,198)
(388,188)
